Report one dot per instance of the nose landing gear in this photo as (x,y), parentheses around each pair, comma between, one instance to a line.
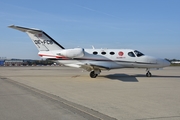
(148,74)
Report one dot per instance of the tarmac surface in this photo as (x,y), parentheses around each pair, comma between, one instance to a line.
(124,94)
(19,102)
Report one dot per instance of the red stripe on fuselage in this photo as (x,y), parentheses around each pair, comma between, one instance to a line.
(41,55)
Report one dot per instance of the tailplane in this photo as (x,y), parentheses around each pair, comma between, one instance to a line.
(42,40)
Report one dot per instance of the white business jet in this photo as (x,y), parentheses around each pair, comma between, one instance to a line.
(92,60)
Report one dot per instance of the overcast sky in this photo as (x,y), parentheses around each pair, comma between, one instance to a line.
(150,26)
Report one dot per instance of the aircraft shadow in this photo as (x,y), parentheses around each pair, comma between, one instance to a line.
(160,76)
(132,78)
(121,77)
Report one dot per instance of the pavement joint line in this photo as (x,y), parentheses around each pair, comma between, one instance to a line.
(52,96)
(159,118)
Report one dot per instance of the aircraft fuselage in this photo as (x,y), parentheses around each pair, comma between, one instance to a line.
(109,58)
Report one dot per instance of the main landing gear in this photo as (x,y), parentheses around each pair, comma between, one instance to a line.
(95,73)
(148,74)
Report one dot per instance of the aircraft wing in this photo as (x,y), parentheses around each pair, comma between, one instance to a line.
(90,67)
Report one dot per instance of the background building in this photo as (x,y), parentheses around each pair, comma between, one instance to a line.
(13,62)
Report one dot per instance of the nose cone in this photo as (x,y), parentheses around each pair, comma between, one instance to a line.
(166,63)
(163,62)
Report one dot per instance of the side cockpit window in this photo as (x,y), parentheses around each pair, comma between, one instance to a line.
(131,54)
(138,54)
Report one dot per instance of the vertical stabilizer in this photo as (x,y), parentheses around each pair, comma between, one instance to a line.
(42,41)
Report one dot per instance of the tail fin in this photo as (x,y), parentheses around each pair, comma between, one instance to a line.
(42,41)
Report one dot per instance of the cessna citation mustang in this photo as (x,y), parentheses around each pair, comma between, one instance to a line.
(92,60)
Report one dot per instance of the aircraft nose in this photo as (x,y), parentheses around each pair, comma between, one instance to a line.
(166,63)
(163,62)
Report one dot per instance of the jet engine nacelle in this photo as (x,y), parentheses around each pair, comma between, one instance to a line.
(72,53)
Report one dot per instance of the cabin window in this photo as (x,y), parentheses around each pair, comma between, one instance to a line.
(95,53)
(111,53)
(103,53)
(131,54)
(139,54)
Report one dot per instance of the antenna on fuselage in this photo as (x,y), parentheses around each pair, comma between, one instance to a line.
(93,47)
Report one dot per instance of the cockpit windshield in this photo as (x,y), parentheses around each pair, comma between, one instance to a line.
(138,54)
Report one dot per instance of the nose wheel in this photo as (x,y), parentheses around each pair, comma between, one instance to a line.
(148,74)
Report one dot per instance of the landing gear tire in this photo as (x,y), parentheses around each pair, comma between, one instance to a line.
(148,74)
(93,75)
